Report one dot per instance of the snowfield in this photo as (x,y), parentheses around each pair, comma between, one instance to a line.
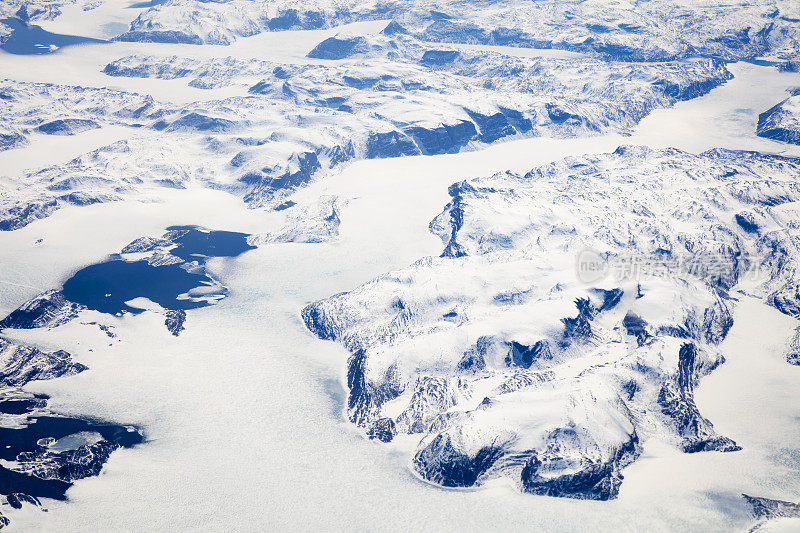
(554,245)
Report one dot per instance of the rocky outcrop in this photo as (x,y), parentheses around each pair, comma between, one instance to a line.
(765,509)
(21,364)
(781,122)
(67,126)
(676,398)
(339,48)
(439,462)
(11,139)
(793,348)
(50,309)
(16,499)
(69,465)
(591,481)
(390,144)
(174,321)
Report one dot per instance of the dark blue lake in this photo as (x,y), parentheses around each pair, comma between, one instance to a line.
(106,286)
(17,407)
(196,242)
(26,439)
(31,39)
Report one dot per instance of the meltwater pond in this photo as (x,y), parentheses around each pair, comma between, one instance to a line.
(107,286)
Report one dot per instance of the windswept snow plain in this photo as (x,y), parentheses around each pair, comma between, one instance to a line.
(195,207)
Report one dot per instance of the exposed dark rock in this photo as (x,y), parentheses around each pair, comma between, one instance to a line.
(338,48)
(11,140)
(677,401)
(580,327)
(285,205)
(595,481)
(67,126)
(443,139)
(767,509)
(16,499)
(50,309)
(299,172)
(361,82)
(472,362)
(747,222)
(160,36)
(382,429)
(636,326)
(286,20)
(789,66)
(456,212)
(394,28)
(198,122)
(560,115)
(21,215)
(717,321)
(610,298)
(517,120)
(364,399)
(390,144)
(492,127)
(316,321)
(174,321)
(694,89)
(439,57)
(630,388)
(80,198)
(21,364)
(524,356)
(779,123)
(439,462)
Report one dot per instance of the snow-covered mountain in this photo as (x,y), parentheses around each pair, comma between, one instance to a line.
(393,97)
(782,122)
(504,363)
(649,31)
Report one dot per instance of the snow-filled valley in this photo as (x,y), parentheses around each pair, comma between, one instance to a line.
(364,266)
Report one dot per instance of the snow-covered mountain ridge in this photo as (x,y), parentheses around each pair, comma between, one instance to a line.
(646,31)
(505,364)
(387,99)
